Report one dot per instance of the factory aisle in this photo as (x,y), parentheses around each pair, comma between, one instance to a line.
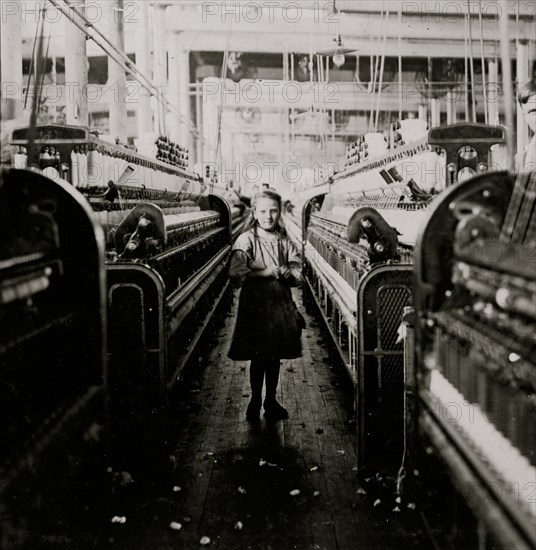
(286,485)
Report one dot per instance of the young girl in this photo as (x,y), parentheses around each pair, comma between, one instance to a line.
(527,100)
(266,265)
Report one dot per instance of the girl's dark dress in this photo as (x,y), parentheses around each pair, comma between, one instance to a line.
(267,325)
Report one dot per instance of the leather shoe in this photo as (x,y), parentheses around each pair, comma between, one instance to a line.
(275,411)
(253,411)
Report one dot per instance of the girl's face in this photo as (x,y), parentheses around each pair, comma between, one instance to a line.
(529,110)
(267,213)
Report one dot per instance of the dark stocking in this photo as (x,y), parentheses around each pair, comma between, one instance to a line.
(256,380)
(272,408)
(272,379)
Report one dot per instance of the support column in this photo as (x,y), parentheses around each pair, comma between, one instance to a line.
(76,70)
(144,115)
(435,112)
(199,119)
(174,90)
(423,113)
(117,78)
(161,65)
(451,107)
(493,94)
(210,123)
(521,77)
(180,127)
(356,71)
(11,61)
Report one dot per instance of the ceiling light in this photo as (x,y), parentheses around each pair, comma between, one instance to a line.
(339,59)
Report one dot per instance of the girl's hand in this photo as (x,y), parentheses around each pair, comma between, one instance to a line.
(271,271)
(284,272)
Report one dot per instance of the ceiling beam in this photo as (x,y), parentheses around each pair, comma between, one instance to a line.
(423,29)
(320,24)
(301,43)
(280,94)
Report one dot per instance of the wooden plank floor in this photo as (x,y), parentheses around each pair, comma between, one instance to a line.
(286,485)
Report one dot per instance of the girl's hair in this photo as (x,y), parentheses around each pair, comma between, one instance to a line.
(527,90)
(267,194)
(251,222)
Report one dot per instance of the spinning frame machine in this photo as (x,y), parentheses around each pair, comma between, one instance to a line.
(425,238)
(52,343)
(358,232)
(475,313)
(162,255)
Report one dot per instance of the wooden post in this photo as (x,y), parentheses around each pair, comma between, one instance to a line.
(180,127)
(161,66)
(117,78)
(521,77)
(435,112)
(76,70)
(451,107)
(493,93)
(144,115)
(11,61)
(507,82)
(423,112)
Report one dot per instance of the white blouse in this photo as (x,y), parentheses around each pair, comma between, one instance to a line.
(255,251)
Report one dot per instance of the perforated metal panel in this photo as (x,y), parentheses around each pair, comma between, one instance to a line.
(137,397)
(127,319)
(391,300)
(382,296)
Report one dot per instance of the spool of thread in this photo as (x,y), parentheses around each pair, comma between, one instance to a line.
(413,129)
(376,144)
(127,172)
(20,159)
(74,168)
(51,173)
